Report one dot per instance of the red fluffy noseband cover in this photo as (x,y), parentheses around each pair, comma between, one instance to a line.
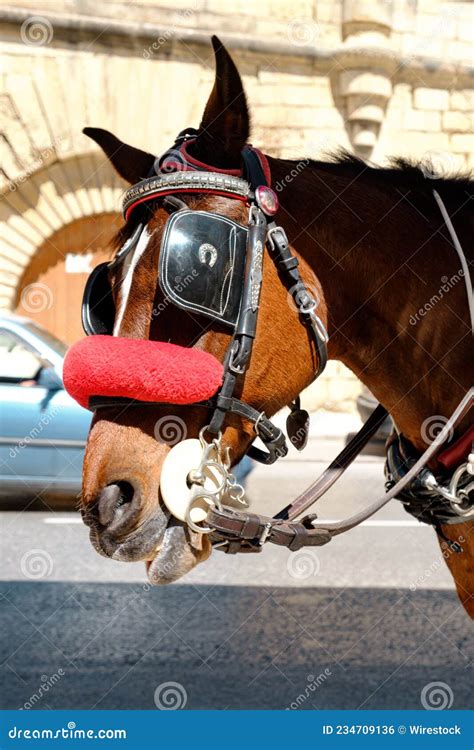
(139,369)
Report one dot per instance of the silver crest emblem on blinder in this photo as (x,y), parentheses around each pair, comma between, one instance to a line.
(208,254)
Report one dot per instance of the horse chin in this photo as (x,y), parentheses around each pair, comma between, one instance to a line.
(181,550)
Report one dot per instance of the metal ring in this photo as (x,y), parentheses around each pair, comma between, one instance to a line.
(309,308)
(222,471)
(451,493)
(202,432)
(212,503)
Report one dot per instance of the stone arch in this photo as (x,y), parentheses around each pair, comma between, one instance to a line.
(51,287)
(38,205)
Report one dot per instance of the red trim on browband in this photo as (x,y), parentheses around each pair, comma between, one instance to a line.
(210,191)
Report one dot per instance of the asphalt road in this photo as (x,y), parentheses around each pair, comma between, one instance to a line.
(369,621)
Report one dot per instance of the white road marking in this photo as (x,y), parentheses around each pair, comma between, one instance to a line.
(127,282)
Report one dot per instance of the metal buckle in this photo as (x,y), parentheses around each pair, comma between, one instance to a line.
(256,215)
(319,326)
(256,426)
(236,369)
(265,534)
(272,231)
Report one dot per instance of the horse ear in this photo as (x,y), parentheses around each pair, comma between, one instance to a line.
(131,163)
(225,124)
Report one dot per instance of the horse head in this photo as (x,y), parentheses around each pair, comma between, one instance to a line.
(166,326)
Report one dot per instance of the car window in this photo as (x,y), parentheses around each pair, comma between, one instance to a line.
(50,339)
(17,361)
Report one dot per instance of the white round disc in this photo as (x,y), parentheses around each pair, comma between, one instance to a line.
(183,458)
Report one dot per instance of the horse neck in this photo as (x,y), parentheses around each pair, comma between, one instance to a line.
(363,242)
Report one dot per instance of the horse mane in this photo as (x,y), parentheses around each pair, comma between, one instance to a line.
(418,177)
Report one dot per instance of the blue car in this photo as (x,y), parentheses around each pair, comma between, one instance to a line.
(42,429)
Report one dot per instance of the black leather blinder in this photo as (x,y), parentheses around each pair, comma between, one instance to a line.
(98,307)
(202,264)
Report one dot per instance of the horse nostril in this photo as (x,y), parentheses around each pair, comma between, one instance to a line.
(113,502)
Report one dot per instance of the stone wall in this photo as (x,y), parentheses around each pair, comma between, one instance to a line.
(378,77)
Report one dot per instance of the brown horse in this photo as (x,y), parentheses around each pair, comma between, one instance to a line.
(371,243)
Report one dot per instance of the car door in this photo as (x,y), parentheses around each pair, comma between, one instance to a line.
(42,431)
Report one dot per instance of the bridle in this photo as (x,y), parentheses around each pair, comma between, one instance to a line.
(98,307)
(236,305)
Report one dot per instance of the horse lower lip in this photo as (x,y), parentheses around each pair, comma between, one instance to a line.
(132,549)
